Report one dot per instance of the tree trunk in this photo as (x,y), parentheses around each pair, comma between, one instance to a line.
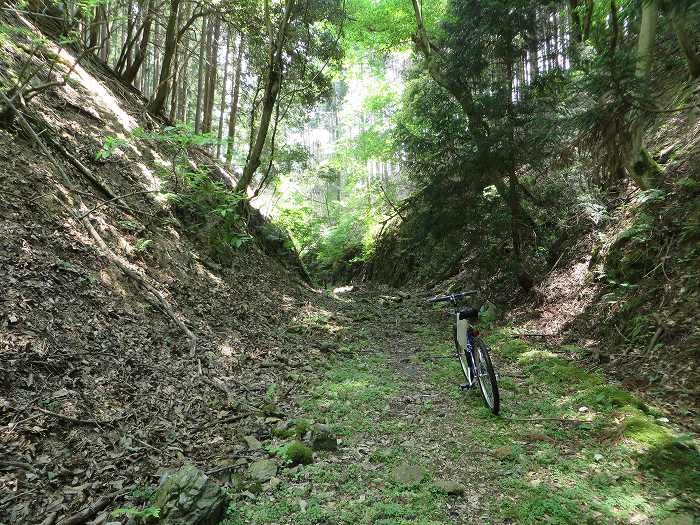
(222,107)
(212,77)
(273,84)
(156,105)
(685,40)
(643,170)
(200,76)
(532,44)
(142,49)
(234,105)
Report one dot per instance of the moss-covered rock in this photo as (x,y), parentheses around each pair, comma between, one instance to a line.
(298,454)
(189,497)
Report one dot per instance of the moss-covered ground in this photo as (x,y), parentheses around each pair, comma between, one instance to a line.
(568,448)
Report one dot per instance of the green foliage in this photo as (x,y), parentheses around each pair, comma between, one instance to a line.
(145,515)
(142,245)
(211,210)
(110,146)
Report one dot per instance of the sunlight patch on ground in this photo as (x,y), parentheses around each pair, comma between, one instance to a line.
(101,95)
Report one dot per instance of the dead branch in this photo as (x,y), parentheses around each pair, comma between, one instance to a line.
(104,203)
(81,421)
(89,511)
(558,419)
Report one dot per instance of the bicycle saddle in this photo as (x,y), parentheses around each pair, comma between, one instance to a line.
(469,313)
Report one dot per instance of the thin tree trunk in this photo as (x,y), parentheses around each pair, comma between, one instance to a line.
(685,41)
(164,81)
(212,77)
(200,76)
(273,84)
(222,107)
(234,104)
(155,66)
(142,49)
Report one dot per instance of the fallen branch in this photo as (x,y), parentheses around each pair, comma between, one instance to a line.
(104,203)
(81,421)
(654,339)
(90,511)
(17,464)
(231,419)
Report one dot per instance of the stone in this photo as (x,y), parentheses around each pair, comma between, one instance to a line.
(408,474)
(298,454)
(327,346)
(323,438)
(453,488)
(678,519)
(503,452)
(274,483)
(252,442)
(262,470)
(189,497)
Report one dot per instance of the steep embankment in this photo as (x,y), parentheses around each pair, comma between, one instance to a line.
(128,336)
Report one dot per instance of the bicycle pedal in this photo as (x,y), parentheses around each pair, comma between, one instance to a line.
(465,386)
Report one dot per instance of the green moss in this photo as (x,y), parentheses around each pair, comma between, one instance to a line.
(607,396)
(639,428)
(297,453)
(676,462)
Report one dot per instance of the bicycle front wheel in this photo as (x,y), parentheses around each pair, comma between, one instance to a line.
(486,376)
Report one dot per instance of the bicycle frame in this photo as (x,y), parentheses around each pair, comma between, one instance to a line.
(465,339)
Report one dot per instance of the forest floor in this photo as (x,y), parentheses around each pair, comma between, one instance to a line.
(568,447)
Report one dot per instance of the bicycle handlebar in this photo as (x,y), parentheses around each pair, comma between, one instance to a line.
(452,297)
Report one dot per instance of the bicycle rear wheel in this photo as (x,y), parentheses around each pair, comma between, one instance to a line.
(486,376)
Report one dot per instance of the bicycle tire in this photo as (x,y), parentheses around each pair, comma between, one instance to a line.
(486,376)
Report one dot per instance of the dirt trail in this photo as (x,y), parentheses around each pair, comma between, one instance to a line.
(377,367)
(568,448)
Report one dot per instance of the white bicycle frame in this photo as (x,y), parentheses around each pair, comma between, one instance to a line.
(462,327)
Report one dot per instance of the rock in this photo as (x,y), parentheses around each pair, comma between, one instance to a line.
(274,483)
(262,470)
(503,452)
(678,519)
(323,438)
(452,488)
(189,497)
(327,346)
(408,474)
(252,442)
(403,295)
(488,312)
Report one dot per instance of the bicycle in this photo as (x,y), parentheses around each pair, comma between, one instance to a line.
(472,351)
